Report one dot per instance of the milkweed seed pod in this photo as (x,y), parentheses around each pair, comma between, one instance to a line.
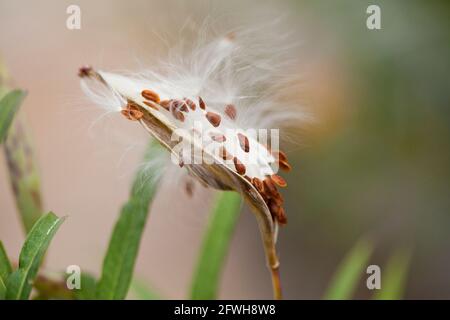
(207,109)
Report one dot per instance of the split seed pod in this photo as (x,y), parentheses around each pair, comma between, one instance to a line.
(233,159)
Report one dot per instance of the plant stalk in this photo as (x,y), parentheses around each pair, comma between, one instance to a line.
(276,283)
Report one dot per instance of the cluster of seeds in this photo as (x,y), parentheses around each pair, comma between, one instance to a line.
(132,111)
(268,190)
(180,108)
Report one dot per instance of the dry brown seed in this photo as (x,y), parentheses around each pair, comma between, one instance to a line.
(201,103)
(284,165)
(165,104)
(276,195)
(278,180)
(224,154)
(230,111)
(218,137)
(132,112)
(213,118)
(269,187)
(243,141)
(133,115)
(258,185)
(280,155)
(183,107)
(248,178)
(150,95)
(277,198)
(151,105)
(277,212)
(179,105)
(190,103)
(240,168)
(178,114)
(136,114)
(281,216)
(126,113)
(175,104)
(274,207)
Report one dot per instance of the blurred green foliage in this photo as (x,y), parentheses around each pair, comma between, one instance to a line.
(205,283)
(123,247)
(9,105)
(393,281)
(350,271)
(5,270)
(383,169)
(23,174)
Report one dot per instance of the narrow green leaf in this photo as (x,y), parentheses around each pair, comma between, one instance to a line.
(5,265)
(23,174)
(215,246)
(119,261)
(143,292)
(15,285)
(5,270)
(393,280)
(350,270)
(19,283)
(9,105)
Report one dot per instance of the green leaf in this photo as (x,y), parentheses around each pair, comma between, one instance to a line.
(215,246)
(350,270)
(19,283)
(9,105)
(23,174)
(5,270)
(119,261)
(5,265)
(393,280)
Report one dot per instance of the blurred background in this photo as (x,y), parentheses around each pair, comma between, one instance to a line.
(374,163)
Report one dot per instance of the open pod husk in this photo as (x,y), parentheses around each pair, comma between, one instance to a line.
(216,175)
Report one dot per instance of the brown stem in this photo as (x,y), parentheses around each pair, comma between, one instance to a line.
(273,264)
(276,283)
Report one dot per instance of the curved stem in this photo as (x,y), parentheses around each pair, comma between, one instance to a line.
(273,264)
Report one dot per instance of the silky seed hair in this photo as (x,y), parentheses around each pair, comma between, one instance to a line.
(228,85)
